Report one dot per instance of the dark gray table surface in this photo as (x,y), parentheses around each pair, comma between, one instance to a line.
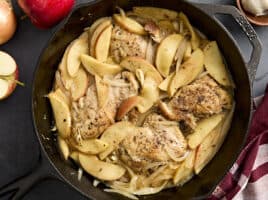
(18,144)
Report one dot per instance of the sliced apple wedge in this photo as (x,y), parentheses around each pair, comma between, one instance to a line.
(215,65)
(75,156)
(96,67)
(165,83)
(135,63)
(78,47)
(8,65)
(96,34)
(127,105)
(188,51)
(212,143)
(99,169)
(157,13)
(187,72)
(63,148)
(91,146)
(79,85)
(103,44)
(114,135)
(102,91)
(166,53)
(195,40)
(203,128)
(96,24)
(61,113)
(185,170)
(67,80)
(149,95)
(129,24)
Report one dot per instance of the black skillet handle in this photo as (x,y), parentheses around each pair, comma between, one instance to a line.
(213,9)
(19,187)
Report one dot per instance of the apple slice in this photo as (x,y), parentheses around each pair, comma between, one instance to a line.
(91,146)
(114,135)
(95,35)
(8,65)
(78,47)
(96,23)
(135,63)
(156,13)
(212,143)
(129,24)
(61,112)
(187,72)
(165,83)
(166,53)
(103,44)
(195,40)
(80,84)
(102,91)
(127,105)
(203,128)
(149,95)
(215,65)
(99,169)
(67,80)
(96,67)
(63,148)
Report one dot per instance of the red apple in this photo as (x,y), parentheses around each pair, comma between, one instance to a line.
(9,75)
(46,13)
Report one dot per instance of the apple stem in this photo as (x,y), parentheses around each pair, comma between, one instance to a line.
(9,78)
(20,83)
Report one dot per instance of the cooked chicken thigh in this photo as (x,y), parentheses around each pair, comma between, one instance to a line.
(156,143)
(202,98)
(124,43)
(89,121)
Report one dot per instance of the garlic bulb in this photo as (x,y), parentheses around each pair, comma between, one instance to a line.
(256,7)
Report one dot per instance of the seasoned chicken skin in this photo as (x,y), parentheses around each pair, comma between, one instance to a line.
(156,143)
(89,121)
(202,98)
(124,43)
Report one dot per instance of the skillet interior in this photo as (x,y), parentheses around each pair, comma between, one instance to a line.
(200,186)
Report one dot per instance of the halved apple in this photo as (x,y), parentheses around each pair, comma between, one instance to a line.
(195,40)
(99,169)
(157,13)
(61,113)
(203,128)
(102,91)
(134,63)
(127,105)
(166,53)
(90,146)
(113,135)
(187,72)
(149,95)
(79,85)
(9,75)
(95,35)
(129,24)
(63,148)
(103,44)
(212,143)
(215,65)
(96,67)
(79,46)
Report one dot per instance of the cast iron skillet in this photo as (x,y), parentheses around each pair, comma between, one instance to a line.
(203,17)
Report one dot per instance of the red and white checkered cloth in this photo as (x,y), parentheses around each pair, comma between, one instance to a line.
(248,178)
